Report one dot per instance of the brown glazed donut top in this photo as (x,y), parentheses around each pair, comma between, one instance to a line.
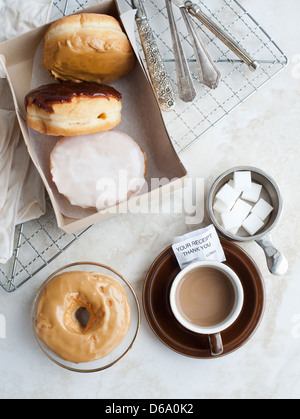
(61,324)
(48,95)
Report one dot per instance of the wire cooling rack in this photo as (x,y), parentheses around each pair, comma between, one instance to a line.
(39,242)
(189,122)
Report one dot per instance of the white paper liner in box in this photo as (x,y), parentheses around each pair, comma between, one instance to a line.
(200,245)
(142,120)
(43,144)
(136,127)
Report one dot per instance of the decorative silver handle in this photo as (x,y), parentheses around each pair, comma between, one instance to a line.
(186,89)
(157,71)
(196,12)
(277,263)
(208,73)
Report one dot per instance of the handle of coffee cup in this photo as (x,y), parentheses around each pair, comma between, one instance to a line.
(277,263)
(215,344)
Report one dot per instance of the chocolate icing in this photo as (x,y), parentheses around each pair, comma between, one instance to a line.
(46,96)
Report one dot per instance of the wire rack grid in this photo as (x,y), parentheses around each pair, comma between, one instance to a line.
(188,122)
(39,242)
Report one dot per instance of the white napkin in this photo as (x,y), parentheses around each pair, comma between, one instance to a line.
(20,16)
(9,137)
(22,194)
(9,212)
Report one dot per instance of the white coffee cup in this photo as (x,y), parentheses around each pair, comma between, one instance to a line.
(213,331)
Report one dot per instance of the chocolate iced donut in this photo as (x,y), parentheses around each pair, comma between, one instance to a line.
(70,108)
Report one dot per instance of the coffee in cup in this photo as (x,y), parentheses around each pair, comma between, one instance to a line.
(207,298)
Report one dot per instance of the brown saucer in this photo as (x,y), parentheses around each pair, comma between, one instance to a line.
(163,323)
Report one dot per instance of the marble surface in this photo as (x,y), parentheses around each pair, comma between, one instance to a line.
(263,132)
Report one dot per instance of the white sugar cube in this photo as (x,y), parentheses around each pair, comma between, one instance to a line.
(262,209)
(241,209)
(228,195)
(220,207)
(234,231)
(242,180)
(252,224)
(231,183)
(230,221)
(253,193)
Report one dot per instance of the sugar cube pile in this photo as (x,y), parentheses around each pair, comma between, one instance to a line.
(240,204)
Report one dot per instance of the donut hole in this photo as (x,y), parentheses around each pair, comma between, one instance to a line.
(83,316)
(79,316)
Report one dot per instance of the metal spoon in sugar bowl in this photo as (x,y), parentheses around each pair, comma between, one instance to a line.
(276,261)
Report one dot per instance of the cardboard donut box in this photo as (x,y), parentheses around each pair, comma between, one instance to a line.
(141,119)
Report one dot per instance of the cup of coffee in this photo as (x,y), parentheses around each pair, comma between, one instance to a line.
(207,297)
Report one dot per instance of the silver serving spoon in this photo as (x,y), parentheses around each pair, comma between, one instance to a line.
(208,73)
(186,89)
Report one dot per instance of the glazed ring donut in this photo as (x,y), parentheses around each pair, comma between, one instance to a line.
(70,108)
(57,319)
(98,171)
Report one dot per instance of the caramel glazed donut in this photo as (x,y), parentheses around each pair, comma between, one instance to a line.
(57,323)
(70,108)
(87,47)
